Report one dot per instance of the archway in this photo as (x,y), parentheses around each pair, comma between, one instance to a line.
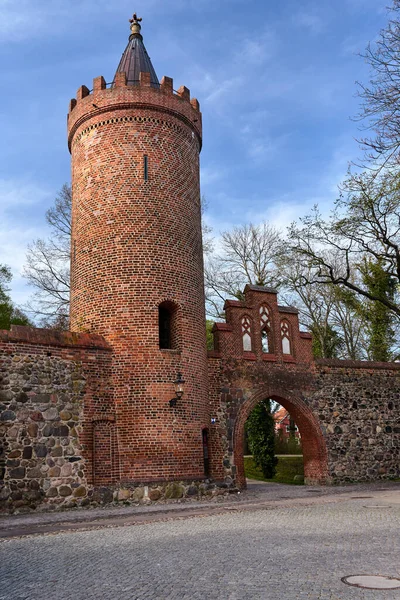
(313,442)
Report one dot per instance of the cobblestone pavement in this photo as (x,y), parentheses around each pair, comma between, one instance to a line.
(258,493)
(272,553)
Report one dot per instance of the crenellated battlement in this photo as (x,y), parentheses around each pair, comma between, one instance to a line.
(122,95)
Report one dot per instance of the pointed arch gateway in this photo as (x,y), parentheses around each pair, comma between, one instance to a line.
(315,457)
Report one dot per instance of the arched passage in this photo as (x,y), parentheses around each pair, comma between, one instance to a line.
(313,442)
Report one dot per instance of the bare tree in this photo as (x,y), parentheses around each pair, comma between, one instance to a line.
(365,223)
(48,263)
(258,255)
(337,328)
(380,109)
(47,266)
(347,318)
(248,254)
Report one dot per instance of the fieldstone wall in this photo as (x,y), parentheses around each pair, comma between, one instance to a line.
(49,383)
(348,414)
(40,420)
(358,405)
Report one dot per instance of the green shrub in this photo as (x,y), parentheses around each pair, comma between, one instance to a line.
(287,445)
(260,429)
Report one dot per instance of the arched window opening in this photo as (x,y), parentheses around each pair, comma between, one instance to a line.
(285,335)
(246,334)
(266,330)
(167,326)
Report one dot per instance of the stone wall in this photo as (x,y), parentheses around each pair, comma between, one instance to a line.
(348,414)
(47,381)
(358,405)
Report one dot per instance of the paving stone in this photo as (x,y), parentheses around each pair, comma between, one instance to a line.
(285,553)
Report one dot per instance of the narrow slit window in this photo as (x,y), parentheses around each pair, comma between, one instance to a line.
(266,330)
(265,342)
(246,334)
(285,335)
(146,167)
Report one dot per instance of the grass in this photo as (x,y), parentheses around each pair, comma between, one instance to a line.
(287,468)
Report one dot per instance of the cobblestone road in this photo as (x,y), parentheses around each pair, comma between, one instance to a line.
(273,554)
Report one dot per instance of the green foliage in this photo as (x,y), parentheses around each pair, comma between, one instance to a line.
(381,285)
(260,429)
(289,470)
(287,445)
(9,313)
(326,343)
(209,335)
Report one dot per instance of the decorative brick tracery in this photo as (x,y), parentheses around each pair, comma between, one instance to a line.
(345,435)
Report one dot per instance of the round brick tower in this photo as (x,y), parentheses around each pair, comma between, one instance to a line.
(137,266)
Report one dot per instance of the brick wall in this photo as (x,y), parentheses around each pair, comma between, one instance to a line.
(136,243)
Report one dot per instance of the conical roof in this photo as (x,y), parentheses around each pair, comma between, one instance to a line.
(135,58)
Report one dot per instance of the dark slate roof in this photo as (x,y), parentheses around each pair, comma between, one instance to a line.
(135,60)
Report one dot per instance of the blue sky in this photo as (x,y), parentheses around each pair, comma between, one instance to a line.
(275,81)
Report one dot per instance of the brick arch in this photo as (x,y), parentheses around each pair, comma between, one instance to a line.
(315,454)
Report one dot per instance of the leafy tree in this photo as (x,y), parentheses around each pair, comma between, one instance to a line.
(379,317)
(260,428)
(9,313)
(326,343)
(335,325)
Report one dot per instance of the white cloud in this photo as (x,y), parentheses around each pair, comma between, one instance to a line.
(257,50)
(310,21)
(222,89)
(25,19)
(282,210)
(322,189)
(258,142)
(209,175)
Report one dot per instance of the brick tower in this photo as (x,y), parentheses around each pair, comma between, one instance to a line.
(137,267)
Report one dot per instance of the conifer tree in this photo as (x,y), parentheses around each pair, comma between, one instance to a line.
(260,429)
